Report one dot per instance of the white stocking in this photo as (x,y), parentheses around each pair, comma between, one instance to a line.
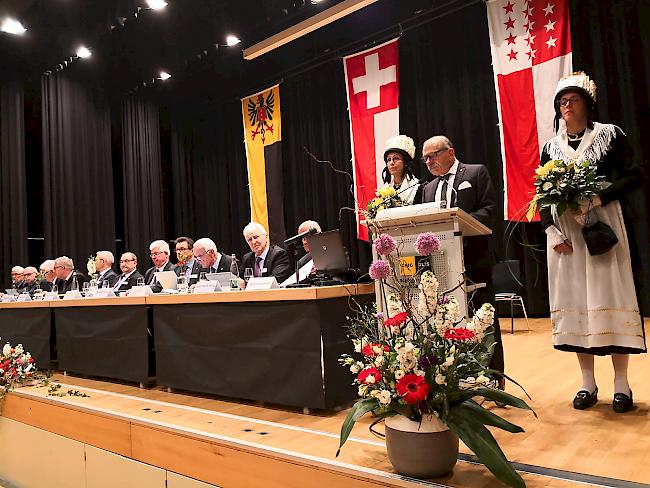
(587,368)
(620,363)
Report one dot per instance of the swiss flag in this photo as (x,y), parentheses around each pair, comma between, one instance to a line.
(371,79)
(531,50)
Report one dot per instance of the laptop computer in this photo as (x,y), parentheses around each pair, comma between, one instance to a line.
(328,252)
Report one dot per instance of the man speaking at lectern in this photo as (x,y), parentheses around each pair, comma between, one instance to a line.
(468,187)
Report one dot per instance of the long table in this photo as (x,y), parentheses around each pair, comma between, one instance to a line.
(275,346)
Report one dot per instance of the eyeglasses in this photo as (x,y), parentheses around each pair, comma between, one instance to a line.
(433,155)
(126,260)
(58,266)
(181,249)
(200,256)
(565,102)
(157,253)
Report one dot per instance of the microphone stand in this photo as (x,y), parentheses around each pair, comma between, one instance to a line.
(292,248)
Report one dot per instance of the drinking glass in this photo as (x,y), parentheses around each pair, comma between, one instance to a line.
(248,274)
(203,276)
(140,281)
(84,288)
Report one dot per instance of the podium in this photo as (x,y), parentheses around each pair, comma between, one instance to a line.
(451,225)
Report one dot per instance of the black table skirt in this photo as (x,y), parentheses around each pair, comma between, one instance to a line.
(109,341)
(263,351)
(31,328)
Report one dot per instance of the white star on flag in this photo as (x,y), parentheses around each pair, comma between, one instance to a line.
(550,26)
(530,39)
(551,42)
(549,8)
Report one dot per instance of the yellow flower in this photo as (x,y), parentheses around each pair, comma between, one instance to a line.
(543,171)
(386,192)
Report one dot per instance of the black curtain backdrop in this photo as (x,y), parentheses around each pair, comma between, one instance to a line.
(13,189)
(144,212)
(78,204)
(315,119)
(210,175)
(611,42)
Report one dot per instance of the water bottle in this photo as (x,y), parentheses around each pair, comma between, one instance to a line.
(75,282)
(234,274)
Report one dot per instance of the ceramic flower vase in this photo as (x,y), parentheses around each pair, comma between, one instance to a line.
(426,449)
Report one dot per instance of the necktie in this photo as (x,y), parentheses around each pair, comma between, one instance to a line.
(445,187)
(258,267)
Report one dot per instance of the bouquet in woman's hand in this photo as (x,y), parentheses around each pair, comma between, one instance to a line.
(386,197)
(564,184)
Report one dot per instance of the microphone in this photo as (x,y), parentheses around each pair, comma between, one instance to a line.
(297,238)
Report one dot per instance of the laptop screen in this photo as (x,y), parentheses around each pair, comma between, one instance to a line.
(328,252)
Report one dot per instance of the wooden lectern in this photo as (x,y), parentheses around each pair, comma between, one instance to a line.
(451,225)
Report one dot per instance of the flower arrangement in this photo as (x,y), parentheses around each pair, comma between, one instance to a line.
(386,197)
(17,368)
(564,184)
(90,266)
(420,358)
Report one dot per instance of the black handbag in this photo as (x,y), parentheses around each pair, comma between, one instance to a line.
(599,238)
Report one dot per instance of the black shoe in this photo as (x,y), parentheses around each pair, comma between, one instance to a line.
(584,399)
(622,403)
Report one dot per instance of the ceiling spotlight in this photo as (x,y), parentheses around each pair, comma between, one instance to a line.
(156,4)
(83,52)
(232,40)
(164,75)
(12,26)
(314,2)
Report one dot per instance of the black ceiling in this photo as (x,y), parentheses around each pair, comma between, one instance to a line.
(184,38)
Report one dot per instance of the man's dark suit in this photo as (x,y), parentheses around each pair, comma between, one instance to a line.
(276,263)
(110,276)
(46,285)
(478,200)
(64,286)
(130,282)
(194,275)
(150,278)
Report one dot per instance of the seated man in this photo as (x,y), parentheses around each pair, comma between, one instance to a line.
(29,280)
(307,225)
(211,260)
(17,276)
(264,259)
(185,261)
(160,257)
(65,274)
(130,274)
(103,264)
(46,270)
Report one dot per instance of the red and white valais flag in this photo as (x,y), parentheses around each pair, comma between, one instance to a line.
(373,101)
(531,51)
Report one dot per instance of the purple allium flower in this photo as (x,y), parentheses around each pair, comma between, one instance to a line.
(379,315)
(427,243)
(379,270)
(426,362)
(443,300)
(385,244)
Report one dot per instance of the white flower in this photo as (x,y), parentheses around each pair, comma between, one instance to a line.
(379,360)
(482,379)
(90,265)
(449,361)
(378,350)
(441,380)
(355,368)
(547,186)
(394,305)
(363,390)
(399,374)
(370,379)
(19,349)
(6,350)
(384,397)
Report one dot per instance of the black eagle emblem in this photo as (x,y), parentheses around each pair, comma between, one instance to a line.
(260,113)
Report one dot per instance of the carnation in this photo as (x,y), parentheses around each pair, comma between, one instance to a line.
(369,375)
(459,334)
(379,270)
(385,244)
(427,243)
(396,320)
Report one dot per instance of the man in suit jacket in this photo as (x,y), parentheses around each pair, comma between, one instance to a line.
(469,187)
(103,265)
(130,274)
(211,260)
(29,280)
(17,276)
(160,257)
(264,259)
(185,261)
(47,270)
(65,274)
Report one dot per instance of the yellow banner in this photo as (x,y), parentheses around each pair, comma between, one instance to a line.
(262,128)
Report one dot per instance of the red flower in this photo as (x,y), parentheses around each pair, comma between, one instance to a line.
(413,388)
(459,334)
(374,372)
(367,349)
(398,319)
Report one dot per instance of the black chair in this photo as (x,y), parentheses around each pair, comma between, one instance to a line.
(506,279)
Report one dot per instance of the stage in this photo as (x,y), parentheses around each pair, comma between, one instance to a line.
(122,435)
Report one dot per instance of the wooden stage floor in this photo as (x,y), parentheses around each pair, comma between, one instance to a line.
(267,446)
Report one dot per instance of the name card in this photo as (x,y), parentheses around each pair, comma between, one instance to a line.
(104,293)
(72,295)
(8,298)
(207,287)
(140,291)
(51,295)
(262,283)
(24,297)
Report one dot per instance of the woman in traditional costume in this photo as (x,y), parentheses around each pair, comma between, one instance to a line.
(398,172)
(593,300)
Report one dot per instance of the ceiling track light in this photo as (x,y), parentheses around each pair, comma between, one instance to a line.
(164,75)
(12,26)
(232,40)
(83,52)
(156,4)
